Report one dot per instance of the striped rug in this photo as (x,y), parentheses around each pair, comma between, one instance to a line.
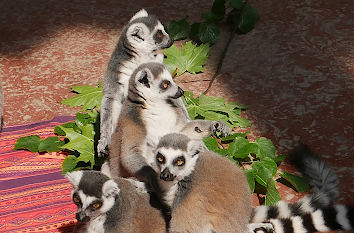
(34,196)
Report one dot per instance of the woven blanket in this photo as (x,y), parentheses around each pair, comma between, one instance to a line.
(34,195)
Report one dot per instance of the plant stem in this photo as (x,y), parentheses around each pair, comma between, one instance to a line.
(218,69)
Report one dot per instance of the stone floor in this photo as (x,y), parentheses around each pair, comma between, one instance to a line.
(295,70)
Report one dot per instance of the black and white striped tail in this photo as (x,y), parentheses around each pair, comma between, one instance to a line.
(337,217)
(323,180)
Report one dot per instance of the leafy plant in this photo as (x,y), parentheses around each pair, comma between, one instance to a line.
(190,58)
(240,16)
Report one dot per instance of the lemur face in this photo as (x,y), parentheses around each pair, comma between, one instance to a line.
(147,33)
(94,193)
(176,156)
(154,82)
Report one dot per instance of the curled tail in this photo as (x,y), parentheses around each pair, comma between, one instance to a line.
(323,180)
(315,211)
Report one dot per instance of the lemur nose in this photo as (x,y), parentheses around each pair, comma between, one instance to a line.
(166,175)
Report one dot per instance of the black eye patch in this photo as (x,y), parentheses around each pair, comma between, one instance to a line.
(160,158)
(77,200)
(165,84)
(180,161)
(96,205)
(158,37)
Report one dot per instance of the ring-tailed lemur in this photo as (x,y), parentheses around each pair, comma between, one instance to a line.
(205,192)
(178,163)
(315,211)
(149,113)
(139,40)
(112,206)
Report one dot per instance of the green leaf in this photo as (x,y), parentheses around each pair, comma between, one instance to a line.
(50,144)
(236,4)
(178,29)
(265,148)
(251,179)
(264,170)
(208,33)
(30,143)
(217,12)
(78,142)
(89,97)
(218,7)
(69,164)
(279,159)
(191,58)
(300,183)
(272,194)
(249,18)
(211,144)
(244,151)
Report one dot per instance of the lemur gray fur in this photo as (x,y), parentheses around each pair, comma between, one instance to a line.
(112,206)
(149,113)
(206,193)
(137,44)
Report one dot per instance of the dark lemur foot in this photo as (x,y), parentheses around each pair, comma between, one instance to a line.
(221,128)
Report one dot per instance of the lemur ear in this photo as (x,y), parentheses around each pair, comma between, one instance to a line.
(144,78)
(74,177)
(110,188)
(139,14)
(195,147)
(137,32)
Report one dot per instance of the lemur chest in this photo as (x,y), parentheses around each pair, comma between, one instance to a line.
(96,225)
(160,121)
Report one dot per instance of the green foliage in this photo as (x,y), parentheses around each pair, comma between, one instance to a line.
(88,97)
(300,184)
(190,58)
(30,143)
(241,19)
(34,143)
(178,29)
(214,108)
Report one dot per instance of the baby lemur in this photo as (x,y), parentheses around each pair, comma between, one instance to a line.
(137,44)
(112,206)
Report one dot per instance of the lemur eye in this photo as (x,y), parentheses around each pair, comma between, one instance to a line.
(96,205)
(159,34)
(160,158)
(180,162)
(76,200)
(165,84)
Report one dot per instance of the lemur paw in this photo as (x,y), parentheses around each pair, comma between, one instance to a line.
(261,228)
(102,147)
(220,127)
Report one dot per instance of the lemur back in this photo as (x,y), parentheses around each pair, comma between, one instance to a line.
(139,40)
(112,206)
(206,192)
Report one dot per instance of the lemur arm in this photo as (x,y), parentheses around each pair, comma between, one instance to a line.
(200,129)
(111,106)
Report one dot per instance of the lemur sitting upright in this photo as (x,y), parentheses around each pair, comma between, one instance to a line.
(150,112)
(195,184)
(137,44)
